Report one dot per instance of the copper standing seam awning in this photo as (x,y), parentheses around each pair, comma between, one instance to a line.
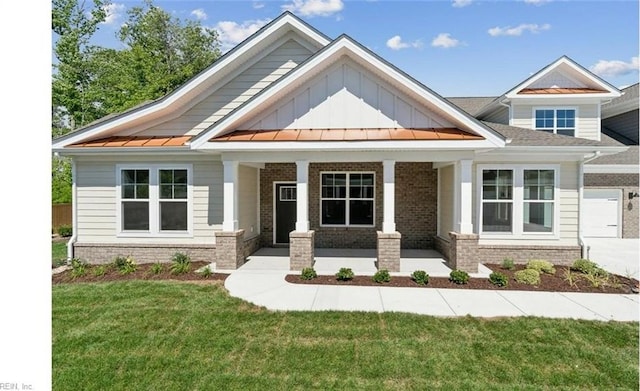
(528,91)
(136,141)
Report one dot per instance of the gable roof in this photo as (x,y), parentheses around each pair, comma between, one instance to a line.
(472,105)
(178,101)
(627,102)
(346,46)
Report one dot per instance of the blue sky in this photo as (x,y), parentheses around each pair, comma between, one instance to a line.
(457,48)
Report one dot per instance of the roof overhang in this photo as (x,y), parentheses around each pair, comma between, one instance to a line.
(611,169)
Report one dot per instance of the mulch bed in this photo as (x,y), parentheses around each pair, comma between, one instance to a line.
(548,283)
(143,272)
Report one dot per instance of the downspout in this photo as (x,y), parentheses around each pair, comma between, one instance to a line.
(74,211)
(584,249)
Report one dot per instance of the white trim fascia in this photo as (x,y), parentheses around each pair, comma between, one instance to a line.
(559,151)
(407,145)
(158,107)
(611,169)
(338,48)
(347,156)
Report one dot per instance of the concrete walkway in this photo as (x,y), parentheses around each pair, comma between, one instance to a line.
(261,282)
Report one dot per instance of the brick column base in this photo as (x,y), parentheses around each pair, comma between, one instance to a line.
(389,251)
(229,249)
(463,253)
(301,250)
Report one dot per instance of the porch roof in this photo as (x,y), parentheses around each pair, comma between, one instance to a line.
(136,141)
(352,134)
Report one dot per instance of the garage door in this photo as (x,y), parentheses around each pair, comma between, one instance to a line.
(601,213)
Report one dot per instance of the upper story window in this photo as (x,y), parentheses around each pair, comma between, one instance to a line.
(559,121)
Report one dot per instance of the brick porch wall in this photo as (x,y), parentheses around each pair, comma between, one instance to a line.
(103,253)
(627,183)
(416,204)
(558,255)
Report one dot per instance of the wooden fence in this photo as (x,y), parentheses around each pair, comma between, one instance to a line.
(60,215)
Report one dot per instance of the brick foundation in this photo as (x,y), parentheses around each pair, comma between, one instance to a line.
(558,255)
(389,251)
(463,252)
(103,253)
(301,250)
(230,249)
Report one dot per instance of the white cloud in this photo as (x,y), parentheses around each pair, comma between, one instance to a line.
(444,40)
(232,33)
(518,30)
(615,67)
(395,43)
(114,12)
(537,2)
(257,5)
(199,14)
(461,3)
(314,7)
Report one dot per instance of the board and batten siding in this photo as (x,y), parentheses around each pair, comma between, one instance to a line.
(587,117)
(568,209)
(446,199)
(237,91)
(97,200)
(248,198)
(346,96)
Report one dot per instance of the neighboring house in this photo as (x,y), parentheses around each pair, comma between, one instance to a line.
(295,139)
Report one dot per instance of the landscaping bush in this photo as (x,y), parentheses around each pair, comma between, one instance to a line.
(65,230)
(156,268)
(180,263)
(308,273)
(541,266)
(381,276)
(78,268)
(586,266)
(508,264)
(420,277)
(528,276)
(125,265)
(206,272)
(498,279)
(459,277)
(100,271)
(345,274)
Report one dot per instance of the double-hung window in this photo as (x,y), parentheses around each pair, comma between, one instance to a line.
(559,121)
(154,200)
(518,200)
(347,199)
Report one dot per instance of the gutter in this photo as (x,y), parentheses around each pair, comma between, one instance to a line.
(74,212)
(584,248)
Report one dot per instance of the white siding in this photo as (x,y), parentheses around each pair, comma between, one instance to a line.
(248,83)
(587,118)
(248,198)
(346,96)
(96,201)
(446,201)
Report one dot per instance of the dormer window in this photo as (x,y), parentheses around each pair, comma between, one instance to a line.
(558,121)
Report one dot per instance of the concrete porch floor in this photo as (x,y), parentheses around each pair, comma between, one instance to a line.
(361,261)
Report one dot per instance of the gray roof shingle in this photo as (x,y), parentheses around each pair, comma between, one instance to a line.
(530,137)
(472,105)
(630,93)
(630,156)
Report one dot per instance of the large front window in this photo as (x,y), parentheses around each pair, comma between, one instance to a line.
(559,121)
(347,199)
(518,200)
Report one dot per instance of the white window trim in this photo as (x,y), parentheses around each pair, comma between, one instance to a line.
(576,132)
(348,173)
(518,201)
(154,201)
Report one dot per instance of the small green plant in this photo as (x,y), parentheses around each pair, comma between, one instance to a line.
(527,276)
(498,279)
(78,268)
(381,276)
(59,262)
(157,268)
(459,277)
(100,271)
(125,265)
(420,277)
(65,230)
(206,272)
(344,274)
(180,263)
(586,266)
(541,266)
(570,277)
(308,273)
(508,264)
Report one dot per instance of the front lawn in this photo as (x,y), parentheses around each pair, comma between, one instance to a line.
(164,335)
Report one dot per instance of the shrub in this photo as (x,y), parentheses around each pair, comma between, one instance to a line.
(541,266)
(78,268)
(528,276)
(206,272)
(308,273)
(498,279)
(381,276)
(100,271)
(586,266)
(157,268)
(180,263)
(420,277)
(459,277)
(508,264)
(65,230)
(345,274)
(125,265)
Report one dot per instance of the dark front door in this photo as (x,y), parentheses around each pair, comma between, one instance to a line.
(285,211)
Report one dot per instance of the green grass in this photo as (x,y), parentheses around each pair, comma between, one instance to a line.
(142,335)
(58,251)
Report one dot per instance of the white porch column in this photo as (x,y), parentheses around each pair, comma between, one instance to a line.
(463,192)
(302,196)
(389,209)
(230,196)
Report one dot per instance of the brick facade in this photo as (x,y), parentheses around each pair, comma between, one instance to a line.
(103,253)
(416,204)
(388,251)
(627,183)
(230,250)
(463,252)
(301,250)
(558,255)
